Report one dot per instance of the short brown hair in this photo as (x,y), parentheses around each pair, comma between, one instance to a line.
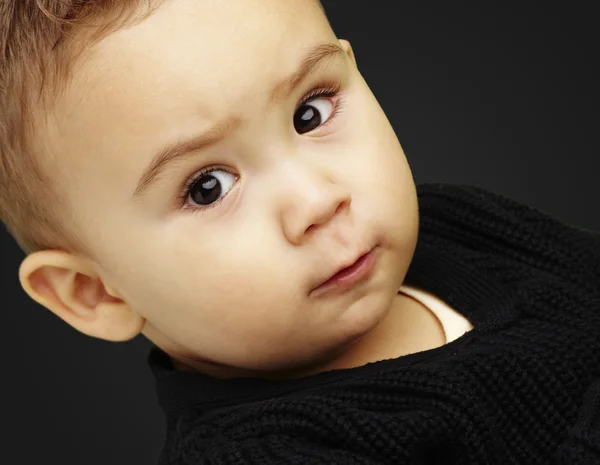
(40,40)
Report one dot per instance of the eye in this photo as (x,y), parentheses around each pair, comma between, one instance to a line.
(312,114)
(209,186)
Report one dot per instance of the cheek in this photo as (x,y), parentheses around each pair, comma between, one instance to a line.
(386,190)
(233,273)
(379,161)
(369,135)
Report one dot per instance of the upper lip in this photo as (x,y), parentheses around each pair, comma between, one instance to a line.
(343,266)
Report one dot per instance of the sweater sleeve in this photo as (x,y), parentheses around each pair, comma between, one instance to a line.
(520,243)
(480,223)
(582,446)
(274,449)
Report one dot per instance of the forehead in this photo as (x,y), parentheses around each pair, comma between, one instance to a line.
(214,41)
(190,63)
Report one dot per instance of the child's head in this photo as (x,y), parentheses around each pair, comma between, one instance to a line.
(194,170)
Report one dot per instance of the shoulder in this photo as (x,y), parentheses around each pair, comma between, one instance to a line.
(471,220)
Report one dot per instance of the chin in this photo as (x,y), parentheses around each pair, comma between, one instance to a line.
(370,310)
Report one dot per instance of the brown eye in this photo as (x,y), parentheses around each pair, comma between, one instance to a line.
(312,114)
(210,187)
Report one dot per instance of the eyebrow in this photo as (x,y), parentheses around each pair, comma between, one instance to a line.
(315,58)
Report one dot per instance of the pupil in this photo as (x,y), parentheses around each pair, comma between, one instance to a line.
(306,119)
(207,190)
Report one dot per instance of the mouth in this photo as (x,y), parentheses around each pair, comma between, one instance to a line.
(348,276)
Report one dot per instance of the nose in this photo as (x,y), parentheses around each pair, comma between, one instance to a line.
(308,200)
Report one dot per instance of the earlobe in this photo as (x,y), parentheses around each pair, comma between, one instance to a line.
(68,286)
(348,49)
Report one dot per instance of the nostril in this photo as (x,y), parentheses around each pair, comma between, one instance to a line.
(342,204)
(310,228)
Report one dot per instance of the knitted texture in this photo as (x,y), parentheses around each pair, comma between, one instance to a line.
(522,387)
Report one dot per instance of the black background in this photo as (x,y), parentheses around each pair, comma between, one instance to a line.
(502,97)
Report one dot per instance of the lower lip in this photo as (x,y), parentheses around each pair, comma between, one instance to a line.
(348,277)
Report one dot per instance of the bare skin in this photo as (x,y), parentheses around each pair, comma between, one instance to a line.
(225,288)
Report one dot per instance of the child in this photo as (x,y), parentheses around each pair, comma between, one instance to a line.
(218,177)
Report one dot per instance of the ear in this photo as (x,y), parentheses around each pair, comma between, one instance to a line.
(69,287)
(348,49)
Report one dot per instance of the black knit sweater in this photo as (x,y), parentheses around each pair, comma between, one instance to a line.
(522,387)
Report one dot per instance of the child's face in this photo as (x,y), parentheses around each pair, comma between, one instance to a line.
(228,279)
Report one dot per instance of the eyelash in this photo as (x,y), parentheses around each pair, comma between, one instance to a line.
(325,90)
